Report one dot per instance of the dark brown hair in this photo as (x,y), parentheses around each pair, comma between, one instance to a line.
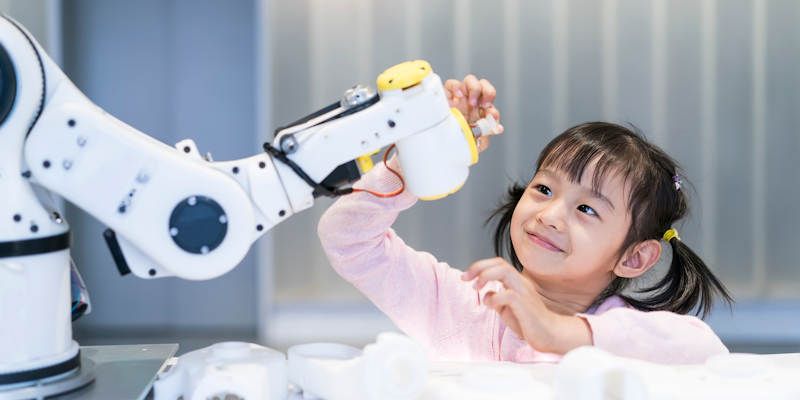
(654,204)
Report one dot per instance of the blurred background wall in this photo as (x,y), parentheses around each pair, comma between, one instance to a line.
(714,82)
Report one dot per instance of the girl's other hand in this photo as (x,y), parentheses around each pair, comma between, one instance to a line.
(475,99)
(522,309)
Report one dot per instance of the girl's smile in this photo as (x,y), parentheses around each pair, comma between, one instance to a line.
(545,242)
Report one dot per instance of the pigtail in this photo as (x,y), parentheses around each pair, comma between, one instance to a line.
(688,285)
(502,233)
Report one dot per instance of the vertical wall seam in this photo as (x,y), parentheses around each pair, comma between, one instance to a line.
(610,61)
(461,42)
(511,71)
(708,191)
(560,65)
(758,146)
(658,48)
(413,30)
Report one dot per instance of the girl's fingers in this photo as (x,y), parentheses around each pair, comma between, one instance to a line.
(455,89)
(459,103)
(483,143)
(474,89)
(473,97)
(488,93)
(456,96)
(509,277)
(499,300)
(510,319)
(501,303)
(495,273)
(508,306)
(479,266)
(490,299)
(474,115)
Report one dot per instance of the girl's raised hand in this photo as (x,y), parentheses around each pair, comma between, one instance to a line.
(521,308)
(475,99)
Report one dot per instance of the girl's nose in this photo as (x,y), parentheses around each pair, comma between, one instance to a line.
(552,215)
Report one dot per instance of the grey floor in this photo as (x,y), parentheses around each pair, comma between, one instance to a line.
(187,340)
(764,348)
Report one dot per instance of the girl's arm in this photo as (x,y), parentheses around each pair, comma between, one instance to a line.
(424,297)
(657,336)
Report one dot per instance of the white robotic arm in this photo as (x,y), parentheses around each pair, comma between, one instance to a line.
(170,211)
(174,213)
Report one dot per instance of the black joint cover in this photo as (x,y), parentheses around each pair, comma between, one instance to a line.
(116,252)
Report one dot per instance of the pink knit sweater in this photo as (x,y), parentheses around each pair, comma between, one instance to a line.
(428,301)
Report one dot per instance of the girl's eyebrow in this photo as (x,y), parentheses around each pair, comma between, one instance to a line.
(600,196)
(594,193)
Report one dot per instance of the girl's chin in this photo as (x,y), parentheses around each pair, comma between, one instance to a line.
(539,265)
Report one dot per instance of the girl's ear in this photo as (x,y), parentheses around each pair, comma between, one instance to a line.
(639,259)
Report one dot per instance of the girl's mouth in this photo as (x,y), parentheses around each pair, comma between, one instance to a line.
(544,243)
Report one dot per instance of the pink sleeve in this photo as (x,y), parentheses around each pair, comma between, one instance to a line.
(424,297)
(657,336)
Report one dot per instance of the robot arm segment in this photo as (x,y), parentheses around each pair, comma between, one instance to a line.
(173,213)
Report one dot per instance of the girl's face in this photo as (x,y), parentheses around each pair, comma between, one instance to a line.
(568,236)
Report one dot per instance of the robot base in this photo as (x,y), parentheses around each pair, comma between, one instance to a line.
(55,383)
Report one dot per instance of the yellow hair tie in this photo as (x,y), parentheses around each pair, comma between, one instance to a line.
(671,234)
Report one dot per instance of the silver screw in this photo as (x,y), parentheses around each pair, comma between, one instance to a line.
(81,141)
(142,177)
(67,164)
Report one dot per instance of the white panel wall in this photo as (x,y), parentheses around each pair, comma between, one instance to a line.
(714,82)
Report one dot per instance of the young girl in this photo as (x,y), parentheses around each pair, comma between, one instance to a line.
(592,219)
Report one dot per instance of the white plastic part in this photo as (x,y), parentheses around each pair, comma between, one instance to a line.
(433,152)
(34,307)
(106,177)
(489,381)
(588,373)
(34,289)
(485,127)
(430,172)
(224,370)
(392,368)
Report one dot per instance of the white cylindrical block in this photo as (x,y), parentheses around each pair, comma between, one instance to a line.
(35,312)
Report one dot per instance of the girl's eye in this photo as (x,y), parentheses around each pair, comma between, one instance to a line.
(587,210)
(543,190)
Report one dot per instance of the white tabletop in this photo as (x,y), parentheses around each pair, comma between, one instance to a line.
(448,378)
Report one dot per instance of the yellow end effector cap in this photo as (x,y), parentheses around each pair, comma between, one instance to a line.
(404,75)
(468,136)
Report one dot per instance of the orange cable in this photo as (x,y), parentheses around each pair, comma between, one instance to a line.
(397,174)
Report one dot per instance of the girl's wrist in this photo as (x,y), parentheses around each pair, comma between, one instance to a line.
(570,332)
(562,334)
